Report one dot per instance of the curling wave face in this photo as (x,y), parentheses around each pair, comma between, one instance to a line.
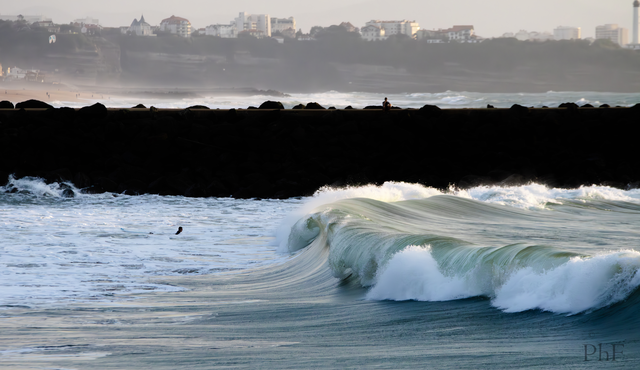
(527,247)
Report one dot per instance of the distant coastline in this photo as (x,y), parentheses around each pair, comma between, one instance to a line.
(18,91)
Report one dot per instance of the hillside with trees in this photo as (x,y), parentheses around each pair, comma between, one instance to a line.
(335,60)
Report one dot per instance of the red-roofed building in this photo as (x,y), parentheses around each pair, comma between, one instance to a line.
(372,33)
(48,25)
(176,25)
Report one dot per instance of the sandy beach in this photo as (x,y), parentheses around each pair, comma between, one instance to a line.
(17,92)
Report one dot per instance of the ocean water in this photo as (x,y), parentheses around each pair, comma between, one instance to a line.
(391,276)
(447,99)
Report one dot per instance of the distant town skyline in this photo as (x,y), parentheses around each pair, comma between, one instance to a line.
(491,18)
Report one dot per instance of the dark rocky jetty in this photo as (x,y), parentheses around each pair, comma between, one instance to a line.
(276,153)
(6,105)
(32,103)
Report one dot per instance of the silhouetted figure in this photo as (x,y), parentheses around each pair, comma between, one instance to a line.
(386,105)
(179,230)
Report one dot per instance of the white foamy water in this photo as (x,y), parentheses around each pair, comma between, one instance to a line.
(578,285)
(58,250)
(447,99)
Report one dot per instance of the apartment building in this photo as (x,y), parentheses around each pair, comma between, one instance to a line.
(612,32)
(567,33)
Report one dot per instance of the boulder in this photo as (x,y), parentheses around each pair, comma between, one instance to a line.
(314,105)
(59,175)
(68,193)
(518,110)
(431,111)
(96,110)
(32,103)
(140,106)
(568,105)
(271,105)
(81,180)
(6,104)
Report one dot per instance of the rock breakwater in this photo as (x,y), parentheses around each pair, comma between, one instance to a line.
(275,153)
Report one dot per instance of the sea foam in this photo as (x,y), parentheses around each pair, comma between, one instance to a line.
(581,284)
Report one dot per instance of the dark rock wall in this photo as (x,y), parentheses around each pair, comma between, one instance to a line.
(285,153)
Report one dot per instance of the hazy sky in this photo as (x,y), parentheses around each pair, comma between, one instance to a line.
(490,17)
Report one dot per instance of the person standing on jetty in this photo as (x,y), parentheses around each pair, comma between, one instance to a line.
(386,105)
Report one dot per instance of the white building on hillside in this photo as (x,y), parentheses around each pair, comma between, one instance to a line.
(432,36)
(403,27)
(140,27)
(176,25)
(460,33)
(226,31)
(524,35)
(567,33)
(463,34)
(372,33)
(253,22)
(614,33)
(48,25)
(16,73)
(283,24)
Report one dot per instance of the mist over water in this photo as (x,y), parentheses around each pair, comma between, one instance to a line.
(359,100)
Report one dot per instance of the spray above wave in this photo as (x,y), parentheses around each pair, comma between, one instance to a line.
(507,243)
(532,196)
(38,187)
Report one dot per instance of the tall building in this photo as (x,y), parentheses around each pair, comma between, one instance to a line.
(636,24)
(254,22)
(567,33)
(614,33)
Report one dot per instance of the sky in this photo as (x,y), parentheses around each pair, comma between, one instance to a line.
(491,18)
